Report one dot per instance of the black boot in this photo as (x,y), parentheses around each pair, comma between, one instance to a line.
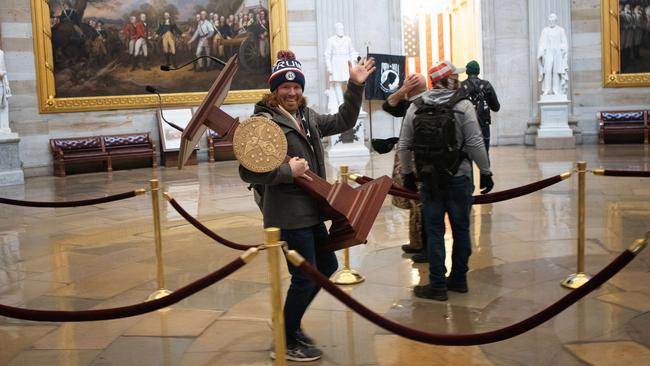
(167,59)
(145,63)
(134,63)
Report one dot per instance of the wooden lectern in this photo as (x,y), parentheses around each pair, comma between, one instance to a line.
(352,210)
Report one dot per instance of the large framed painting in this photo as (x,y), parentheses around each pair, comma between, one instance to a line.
(101,54)
(626,42)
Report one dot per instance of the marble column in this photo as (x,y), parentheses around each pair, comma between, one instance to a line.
(327,14)
(505,55)
(381,27)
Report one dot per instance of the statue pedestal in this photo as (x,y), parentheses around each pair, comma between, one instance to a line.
(355,154)
(11,172)
(554,131)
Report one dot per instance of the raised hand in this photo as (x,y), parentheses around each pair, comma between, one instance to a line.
(360,72)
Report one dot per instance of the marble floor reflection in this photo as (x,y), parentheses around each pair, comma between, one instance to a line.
(103,256)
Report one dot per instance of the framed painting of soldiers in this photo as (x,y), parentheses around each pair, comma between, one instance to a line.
(101,54)
(626,43)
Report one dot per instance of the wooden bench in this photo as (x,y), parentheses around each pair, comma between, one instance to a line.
(77,150)
(100,149)
(219,148)
(623,126)
(129,145)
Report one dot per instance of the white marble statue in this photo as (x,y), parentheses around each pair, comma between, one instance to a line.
(552,58)
(5,93)
(338,52)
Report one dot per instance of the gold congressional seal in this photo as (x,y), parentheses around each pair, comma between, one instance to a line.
(259,144)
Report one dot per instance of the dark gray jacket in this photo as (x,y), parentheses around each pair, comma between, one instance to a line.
(283,203)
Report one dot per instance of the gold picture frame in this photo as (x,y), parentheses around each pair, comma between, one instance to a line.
(613,77)
(45,78)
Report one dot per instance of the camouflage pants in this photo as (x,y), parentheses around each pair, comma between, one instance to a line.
(414,207)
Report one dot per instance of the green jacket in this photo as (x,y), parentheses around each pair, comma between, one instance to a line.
(284,204)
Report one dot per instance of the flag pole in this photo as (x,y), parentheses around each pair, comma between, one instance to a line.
(369,101)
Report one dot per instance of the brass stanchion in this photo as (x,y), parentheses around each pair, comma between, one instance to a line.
(160,272)
(346,276)
(579,278)
(274,250)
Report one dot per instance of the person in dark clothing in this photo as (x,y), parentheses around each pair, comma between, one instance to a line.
(454,197)
(482,95)
(168,30)
(287,206)
(70,15)
(396,105)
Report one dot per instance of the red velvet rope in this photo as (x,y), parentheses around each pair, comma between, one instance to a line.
(202,228)
(93,201)
(124,311)
(480,199)
(475,338)
(626,173)
(516,192)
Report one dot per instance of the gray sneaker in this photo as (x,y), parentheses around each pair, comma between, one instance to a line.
(300,353)
(303,338)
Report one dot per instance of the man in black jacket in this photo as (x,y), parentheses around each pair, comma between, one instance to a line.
(482,95)
(287,206)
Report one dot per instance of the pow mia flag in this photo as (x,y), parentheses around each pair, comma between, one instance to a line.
(388,77)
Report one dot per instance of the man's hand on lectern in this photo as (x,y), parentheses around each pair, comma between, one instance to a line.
(299,168)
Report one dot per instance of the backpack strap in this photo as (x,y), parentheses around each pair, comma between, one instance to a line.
(419,102)
(477,88)
(457,97)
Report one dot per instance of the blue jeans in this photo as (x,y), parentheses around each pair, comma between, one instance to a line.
(302,290)
(456,200)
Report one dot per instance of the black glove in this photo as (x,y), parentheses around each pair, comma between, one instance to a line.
(486,183)
(383,146)
(409,182)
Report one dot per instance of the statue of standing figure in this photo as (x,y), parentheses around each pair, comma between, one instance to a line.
(338,52)
(552,58)
(5,93)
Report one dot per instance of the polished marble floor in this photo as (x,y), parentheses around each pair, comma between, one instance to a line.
(103,256)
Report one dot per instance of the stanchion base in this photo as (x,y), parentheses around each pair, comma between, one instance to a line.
(575,280)
(158,294)
(347,277)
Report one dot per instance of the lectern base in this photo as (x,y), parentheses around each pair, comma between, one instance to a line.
(347,277)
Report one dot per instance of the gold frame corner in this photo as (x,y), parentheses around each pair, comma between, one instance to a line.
(611,53)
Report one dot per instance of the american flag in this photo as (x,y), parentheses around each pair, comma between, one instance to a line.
(427,39)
